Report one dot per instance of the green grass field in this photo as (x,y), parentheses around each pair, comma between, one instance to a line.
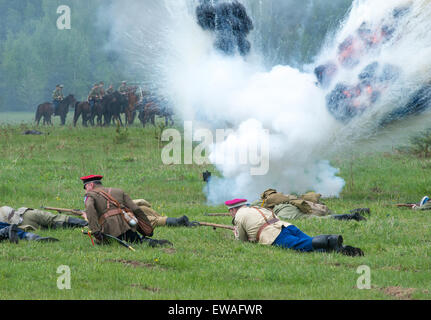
(204,263)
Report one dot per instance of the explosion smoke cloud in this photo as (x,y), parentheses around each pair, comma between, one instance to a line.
(219,90)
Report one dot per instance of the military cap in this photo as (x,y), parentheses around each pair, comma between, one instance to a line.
(267,193)
(61,86)
(91,178)
(235,203)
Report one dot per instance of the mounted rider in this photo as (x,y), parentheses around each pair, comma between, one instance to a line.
(123,89)
(93,96)
(57,97)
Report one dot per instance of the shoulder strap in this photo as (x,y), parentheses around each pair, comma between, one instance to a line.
(109,198)
(261,213)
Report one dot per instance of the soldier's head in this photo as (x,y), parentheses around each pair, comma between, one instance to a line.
(234,205)
(96,85)
(91,182)
(123,83)
(267,193)
(101,84)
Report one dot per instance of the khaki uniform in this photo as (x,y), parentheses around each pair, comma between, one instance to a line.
(110,91)
(96,206)
(123,89)
(94,94)
(155,219)
(31,219)
(57,94)
(101,92)
(248,221)
(291,207)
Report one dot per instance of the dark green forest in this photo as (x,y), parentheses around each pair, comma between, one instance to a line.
(35,54)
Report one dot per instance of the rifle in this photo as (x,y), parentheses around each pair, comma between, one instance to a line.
(407,205)
(123,243)
(74,212)
(217,214)
(215,226)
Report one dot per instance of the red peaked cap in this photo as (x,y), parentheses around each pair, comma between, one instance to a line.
(235,203)
(91,178)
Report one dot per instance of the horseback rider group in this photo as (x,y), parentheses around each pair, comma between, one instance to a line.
(97,93)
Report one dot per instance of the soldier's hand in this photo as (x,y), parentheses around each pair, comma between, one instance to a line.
(235,232)
(98,236)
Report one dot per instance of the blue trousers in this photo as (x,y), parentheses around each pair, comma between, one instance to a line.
(291,237)
(21,233)
(56,103)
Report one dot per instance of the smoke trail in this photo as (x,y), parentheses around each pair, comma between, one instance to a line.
(164,42)
(229,21)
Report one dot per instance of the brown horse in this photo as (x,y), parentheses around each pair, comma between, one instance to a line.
(84,109)
(46,110)
(130,111)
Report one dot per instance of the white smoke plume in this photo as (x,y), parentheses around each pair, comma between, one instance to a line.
(162,41)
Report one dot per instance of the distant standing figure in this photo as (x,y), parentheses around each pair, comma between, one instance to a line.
(57,96)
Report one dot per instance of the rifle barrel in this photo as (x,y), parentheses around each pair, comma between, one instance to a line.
(214,225)
(63,210)
(217,214)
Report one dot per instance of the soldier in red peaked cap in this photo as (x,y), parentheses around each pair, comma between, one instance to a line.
(111,211)
(256,224)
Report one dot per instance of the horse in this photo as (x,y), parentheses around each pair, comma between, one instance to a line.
(46,110)
(149,111)
(84,109)
(113,105)
(130,111)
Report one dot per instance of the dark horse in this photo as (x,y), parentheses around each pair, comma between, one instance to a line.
(46,110)
(151,109)
(84,109)
(113,105)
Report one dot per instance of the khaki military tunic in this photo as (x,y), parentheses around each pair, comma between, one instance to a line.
(307,204)
(94,93)
(122,89)
(155,219)
(31,219)
(96,206)
(57,95)
(248,221)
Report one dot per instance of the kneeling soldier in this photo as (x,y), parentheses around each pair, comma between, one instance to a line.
(260,225)
(111,211)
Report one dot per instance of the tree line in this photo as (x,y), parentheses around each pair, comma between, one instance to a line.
(35,54)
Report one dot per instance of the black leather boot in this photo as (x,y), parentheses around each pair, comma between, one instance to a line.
(10,233)
(75,223)
(332,242)
(354,216)
(361,211)
(34,237)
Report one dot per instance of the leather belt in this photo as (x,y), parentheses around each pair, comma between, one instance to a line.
(11,214)
(109,213)
(268,222)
